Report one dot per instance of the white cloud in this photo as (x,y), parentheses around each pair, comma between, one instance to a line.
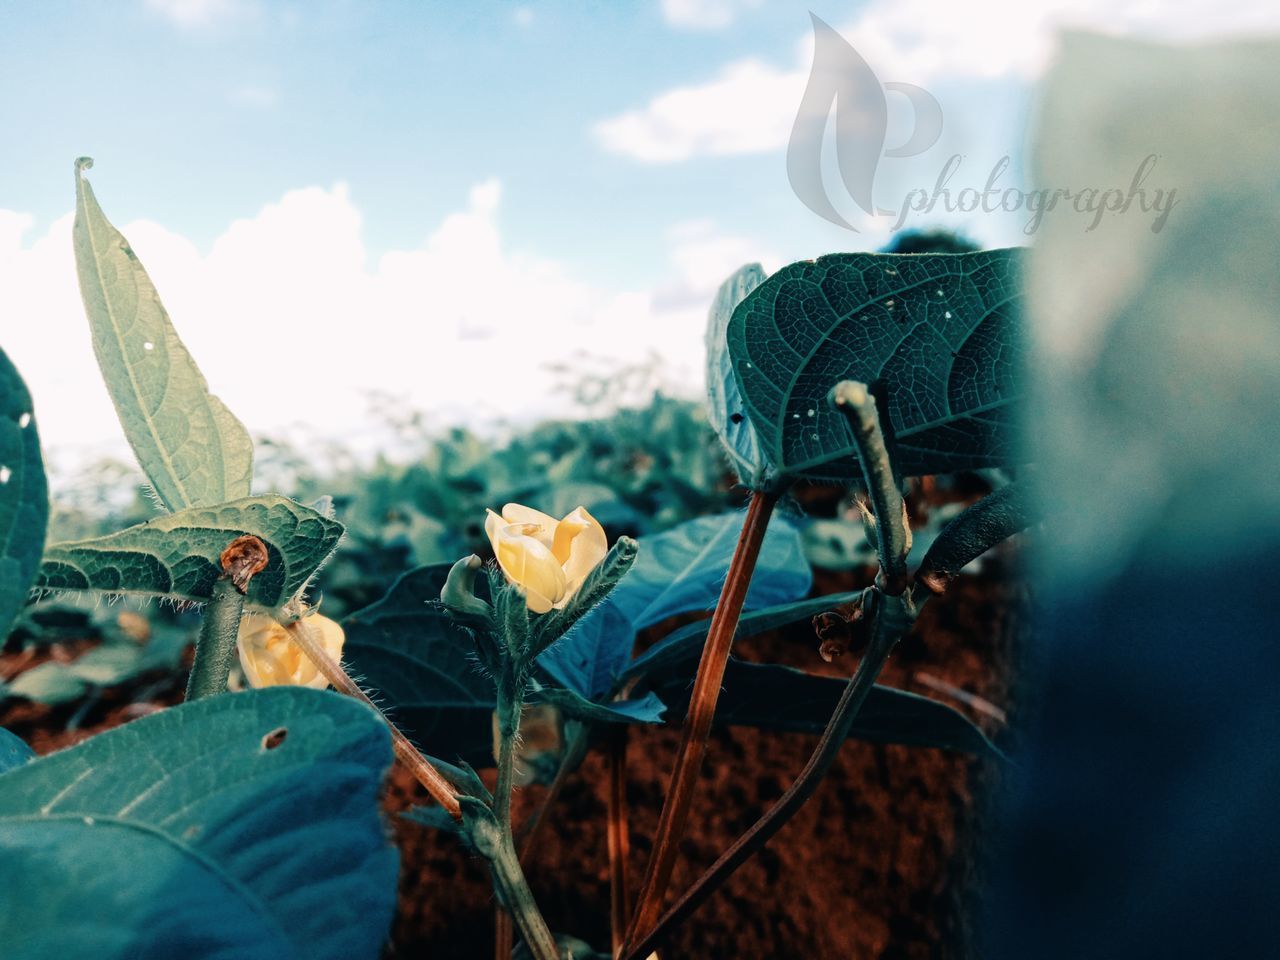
(198,13)
(523,16)
(293,323)
(703,14)
(749,106)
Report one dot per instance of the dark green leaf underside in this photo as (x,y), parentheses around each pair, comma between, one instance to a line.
(938,337)
(177,555)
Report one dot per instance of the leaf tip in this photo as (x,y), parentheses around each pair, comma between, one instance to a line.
(83,164)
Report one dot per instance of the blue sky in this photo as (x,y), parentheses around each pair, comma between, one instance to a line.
(397,196)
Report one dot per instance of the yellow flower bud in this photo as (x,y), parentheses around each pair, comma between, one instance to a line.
(547,559)
(270,658)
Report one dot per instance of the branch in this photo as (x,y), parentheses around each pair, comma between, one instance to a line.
(421,768)
(893,618)
(702,707)
(893,534)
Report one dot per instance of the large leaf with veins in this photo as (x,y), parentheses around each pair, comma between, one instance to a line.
(936,336)
(178,555)
(191,447)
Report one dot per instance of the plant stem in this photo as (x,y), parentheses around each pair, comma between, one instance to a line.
(418,765)
(890,616)
(514,889)
(702,706)
(216,645)
(509,708)
(619,839)
(893,535)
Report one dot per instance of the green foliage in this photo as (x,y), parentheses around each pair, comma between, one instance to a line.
(191,447)
(936,336)
(678,571)
(24,496)
(14,751)
(775,697)
(243,826)
(107,665)
(177,555)
(422,668)
(725,408)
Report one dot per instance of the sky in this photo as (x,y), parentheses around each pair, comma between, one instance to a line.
(461,206)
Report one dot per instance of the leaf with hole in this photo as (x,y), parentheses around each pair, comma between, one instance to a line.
(725,409)
(178,555)
(937,337)
(24,495)
(191,447)
(242,826)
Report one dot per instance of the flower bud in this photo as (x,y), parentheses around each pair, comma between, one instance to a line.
(547,559)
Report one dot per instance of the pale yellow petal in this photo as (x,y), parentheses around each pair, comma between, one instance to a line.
(566,530)
(530,565)
(587,549)
(493,522)
(519,513)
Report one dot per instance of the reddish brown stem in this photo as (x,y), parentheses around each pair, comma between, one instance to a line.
(619,837)
(702,708)
(504,933)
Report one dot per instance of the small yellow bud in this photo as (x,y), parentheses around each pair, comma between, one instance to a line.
(270,658)
(547,559)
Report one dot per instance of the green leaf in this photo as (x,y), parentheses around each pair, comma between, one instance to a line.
(14,751)
(678,571)
(108,665)
(191,447)
(242,826)
(683,646)
(775,697)
(725,409)
(24,496)
(937,337)
(177,555)
(422,668)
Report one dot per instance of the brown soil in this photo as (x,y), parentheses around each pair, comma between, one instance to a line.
(882,863)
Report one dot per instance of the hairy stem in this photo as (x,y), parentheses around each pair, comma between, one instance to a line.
(514,892)
(426,774)
(216,645)
(509,709)
(702,707)
(892,619)
(619,838)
